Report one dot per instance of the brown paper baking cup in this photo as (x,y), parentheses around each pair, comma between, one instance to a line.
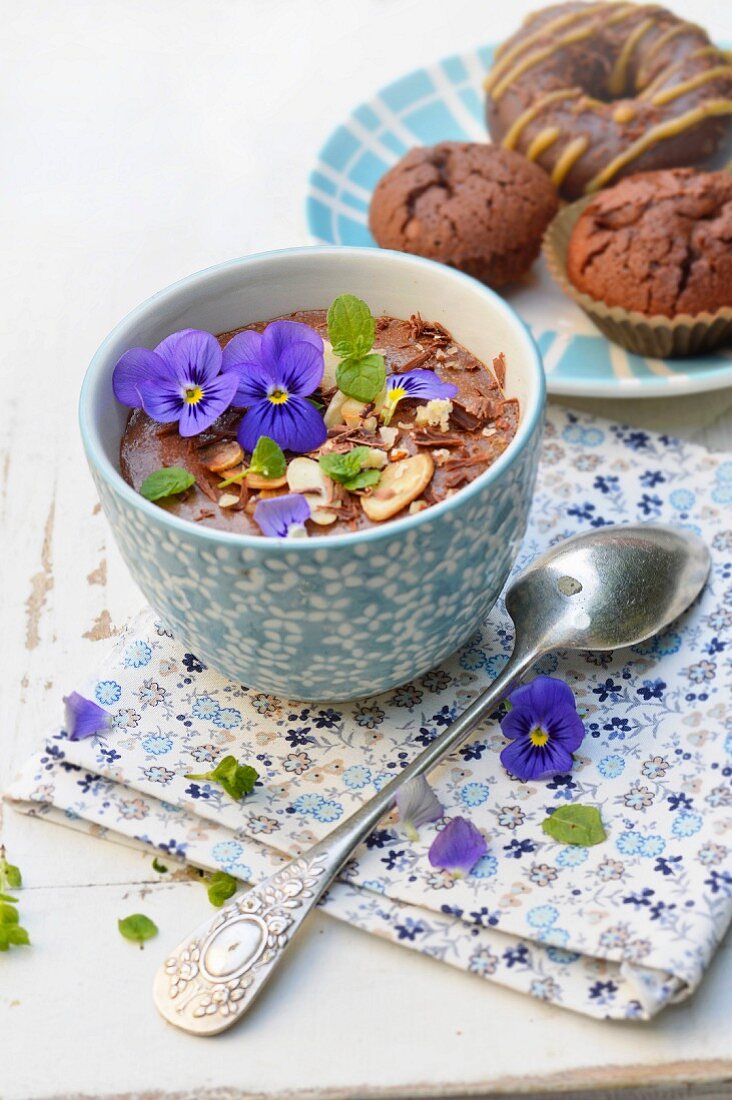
(655,336)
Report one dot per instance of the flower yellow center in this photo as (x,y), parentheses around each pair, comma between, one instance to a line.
(538,737)
(278,396)
(192,395)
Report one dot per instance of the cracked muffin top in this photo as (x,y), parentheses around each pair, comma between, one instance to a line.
(475,207)
(657,242)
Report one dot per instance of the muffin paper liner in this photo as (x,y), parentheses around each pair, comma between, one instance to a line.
(618,930)
(655,336)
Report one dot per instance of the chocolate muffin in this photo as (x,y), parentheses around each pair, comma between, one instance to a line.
(657,242)
(478,208)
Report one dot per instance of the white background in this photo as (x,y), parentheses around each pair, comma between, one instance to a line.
(142,141)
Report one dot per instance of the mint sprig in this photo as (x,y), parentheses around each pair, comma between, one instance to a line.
(237,779)
(11,932)
(575,824)
(268,459)
(351,331)
(349,469)
(168,482)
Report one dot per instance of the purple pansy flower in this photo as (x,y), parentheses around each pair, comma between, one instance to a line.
(458,847)
(283,517)
(181,380)
(84,717)
(421,384)
(544,729)
(277,370)
(417,804)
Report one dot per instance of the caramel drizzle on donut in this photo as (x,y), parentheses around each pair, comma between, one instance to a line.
(568,158)
(511,138)
(543,140)
(670,70)
(668,95)
(671,128)
(535,58)
(558,24)
(663,40)
(619,74)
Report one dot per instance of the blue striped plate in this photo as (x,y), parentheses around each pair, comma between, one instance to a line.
(445,102)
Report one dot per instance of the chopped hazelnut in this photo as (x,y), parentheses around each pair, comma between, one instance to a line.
(435,414)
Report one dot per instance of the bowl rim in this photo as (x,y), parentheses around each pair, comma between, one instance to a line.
(91,436)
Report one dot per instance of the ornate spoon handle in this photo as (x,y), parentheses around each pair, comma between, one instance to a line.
(214,975)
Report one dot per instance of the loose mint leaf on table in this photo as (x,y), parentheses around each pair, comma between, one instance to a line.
(575,825)
(236,779)
(351,328)
(7,897)
(8,914)
(12,935)
(221,886)
(159,867)
(167,482)
(362,378)
(137,928)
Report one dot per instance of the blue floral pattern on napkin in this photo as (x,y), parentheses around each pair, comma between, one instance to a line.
(620,929)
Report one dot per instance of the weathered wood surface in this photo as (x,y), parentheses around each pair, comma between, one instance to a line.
(143,141)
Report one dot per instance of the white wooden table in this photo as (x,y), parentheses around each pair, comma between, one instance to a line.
(142,140)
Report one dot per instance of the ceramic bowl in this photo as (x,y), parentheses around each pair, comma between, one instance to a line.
(336,617)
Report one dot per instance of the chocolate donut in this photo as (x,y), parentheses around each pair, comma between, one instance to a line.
(595,91)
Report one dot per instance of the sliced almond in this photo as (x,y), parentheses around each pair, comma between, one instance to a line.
(268,494)
(258,481)
(352,412)
(322,517)
(221,456)
(389,436)
(306,476)
(375,459)
(228,500)
(334,413)
(331,362)
(401,483)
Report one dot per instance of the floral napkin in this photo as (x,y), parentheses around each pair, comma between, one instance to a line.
(617,930)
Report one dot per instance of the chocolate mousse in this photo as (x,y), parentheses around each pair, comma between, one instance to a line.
(412,456)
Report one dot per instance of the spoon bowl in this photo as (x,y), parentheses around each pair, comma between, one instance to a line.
(608,588)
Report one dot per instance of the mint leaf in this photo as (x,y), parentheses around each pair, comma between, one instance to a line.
(343,467)
(267,458)
(166,483)
(221,887)
(137,928)
(12,935)
(575,824)
(362,378)
(159,867)
(8,914)
(236,779)
(365,480)
(351,328)
(7,897)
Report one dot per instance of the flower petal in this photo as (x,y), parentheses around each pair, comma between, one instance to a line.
(245,347)
(300,369)
(161,398)
(422,384)
(527,761)
(543,695)
(84,717)
(457,847)
(132,369)
(295,425)
(218,394)
(279,335)
(517,722)
(417,804)
(194,355)
(278,515)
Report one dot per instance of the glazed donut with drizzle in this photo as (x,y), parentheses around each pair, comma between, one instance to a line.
(595,91)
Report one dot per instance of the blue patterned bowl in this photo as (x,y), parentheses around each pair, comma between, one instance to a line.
(327,617)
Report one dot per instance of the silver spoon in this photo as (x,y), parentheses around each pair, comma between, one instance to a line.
(610,588)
